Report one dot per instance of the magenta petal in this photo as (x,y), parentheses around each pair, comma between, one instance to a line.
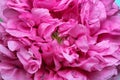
(105,74)
(77,31)
(41,74)
(9,13)
(82,44)
(6,52)
(32,66)
(23,56)
(10,72)
(72,75)
(17,33)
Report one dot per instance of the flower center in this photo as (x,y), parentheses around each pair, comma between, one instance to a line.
(1,20)
(55,35)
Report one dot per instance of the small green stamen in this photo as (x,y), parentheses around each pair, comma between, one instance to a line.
(1,20)
(55,35)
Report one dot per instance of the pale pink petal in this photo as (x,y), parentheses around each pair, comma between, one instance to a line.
(13,45)
(17,33)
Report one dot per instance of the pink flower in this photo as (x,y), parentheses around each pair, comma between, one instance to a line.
(59,40)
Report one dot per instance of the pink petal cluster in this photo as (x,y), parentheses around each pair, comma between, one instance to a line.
(59,40)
